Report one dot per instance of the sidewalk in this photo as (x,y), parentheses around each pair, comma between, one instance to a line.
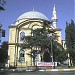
(56,69)
(43,69)
(71,69)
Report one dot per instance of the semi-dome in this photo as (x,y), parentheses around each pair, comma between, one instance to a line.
(33,15)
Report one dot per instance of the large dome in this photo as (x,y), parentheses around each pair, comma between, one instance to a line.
(33,15)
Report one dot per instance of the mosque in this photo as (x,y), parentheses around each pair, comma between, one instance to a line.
(22,27)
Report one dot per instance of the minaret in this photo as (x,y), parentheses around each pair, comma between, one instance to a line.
(54,17)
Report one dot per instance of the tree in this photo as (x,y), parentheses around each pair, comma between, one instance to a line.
(2,3)
(4,52)
(59,53)
(70,39)
(39,38)
(4,46)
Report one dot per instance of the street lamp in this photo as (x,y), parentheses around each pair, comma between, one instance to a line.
(50,36)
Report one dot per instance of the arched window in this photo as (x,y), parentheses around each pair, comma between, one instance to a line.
(21,56)
(22,36)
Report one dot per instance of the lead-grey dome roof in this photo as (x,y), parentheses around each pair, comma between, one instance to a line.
(33,15)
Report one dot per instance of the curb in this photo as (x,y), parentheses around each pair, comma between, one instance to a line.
(73,69)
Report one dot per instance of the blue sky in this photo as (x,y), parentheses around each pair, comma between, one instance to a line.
(15,8)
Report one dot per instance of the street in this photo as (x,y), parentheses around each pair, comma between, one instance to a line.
(39,73)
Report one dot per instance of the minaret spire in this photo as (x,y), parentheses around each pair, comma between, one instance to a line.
(54,17)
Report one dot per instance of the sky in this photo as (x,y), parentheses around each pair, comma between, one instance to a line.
(15,8)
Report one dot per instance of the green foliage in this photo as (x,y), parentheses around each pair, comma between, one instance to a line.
(2,3)
(4,52)
(59,53)
(39,38)
(70,39)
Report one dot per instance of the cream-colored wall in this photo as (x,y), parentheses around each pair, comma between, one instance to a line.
(59,36)
(28,58)
(27,29)
(14,37)
(11,49)
(11,54)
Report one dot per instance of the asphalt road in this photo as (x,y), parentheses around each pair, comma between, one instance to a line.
(39,73)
